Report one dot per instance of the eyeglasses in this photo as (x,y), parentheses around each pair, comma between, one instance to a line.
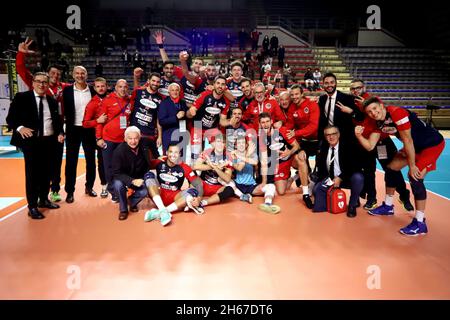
(259,92)
(331,134)
(355,88)
(44,83)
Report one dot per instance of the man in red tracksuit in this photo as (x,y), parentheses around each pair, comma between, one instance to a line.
(303,123)
(92,116)
(262,104)
(117,108)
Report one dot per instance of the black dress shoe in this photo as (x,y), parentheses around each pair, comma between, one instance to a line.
(90,192)
(34,213)
(123,215)
(48,204)
(351,212)
(70,198)
(308,201)
(134,209)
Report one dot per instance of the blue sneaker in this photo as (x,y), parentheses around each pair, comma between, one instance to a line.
(415,228)
(151,215)
(165,216)
(383,210)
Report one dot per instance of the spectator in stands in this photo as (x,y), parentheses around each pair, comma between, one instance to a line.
(242,35)
(287,71)
(154,65)
(146,38)
(309,80)
(229,42)
(75,99)
(126,59)
(274,45)
(98,68)
(255,39)
(123,39)
(138,36)
(37,129)
(130,162)
(281,54)
(277,79)
(317,76)
(265,45)
(136,59)
(143,66)
(205,41)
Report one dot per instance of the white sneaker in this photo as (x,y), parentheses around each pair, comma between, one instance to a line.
(197,210)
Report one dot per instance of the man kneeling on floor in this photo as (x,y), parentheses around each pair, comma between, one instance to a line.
(164,187)
(336,168)
(131,161)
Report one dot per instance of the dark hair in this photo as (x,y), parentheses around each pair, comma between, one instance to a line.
(173,144)
(236,63)
(371,100)
(220,77)
(263,115)
(168,62)
(246,80)
(154,74)
(297,86)
(57,67)
(329,74)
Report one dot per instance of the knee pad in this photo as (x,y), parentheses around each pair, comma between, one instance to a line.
(228,192)
(269,190)
(150,179)
(190,192)
(392,177)
(418,189)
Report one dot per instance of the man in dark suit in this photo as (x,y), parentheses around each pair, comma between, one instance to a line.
(330,110)
(75,99)
(337,167)
(37,128)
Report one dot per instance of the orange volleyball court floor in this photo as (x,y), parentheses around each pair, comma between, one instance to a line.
(233,251)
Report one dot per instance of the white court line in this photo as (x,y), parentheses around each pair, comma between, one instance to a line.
(25,206)
(437,194)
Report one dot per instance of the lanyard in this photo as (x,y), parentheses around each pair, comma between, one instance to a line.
(122,111)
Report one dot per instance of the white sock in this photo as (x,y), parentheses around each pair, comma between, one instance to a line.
(420,215)
(172,207)
(204,202)
(305,190)
(268,200)
(237,192)
(104,186)
(158,201)
(389,200)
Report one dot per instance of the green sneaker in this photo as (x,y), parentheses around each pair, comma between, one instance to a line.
(165,217)
(55,197)
(151,215)
(273,209)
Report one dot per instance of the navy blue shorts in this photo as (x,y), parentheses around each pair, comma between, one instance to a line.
(246,188)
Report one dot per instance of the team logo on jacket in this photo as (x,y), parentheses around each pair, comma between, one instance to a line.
(213,110)
(268,106)
(276,146)
(163,91)
(306,110)
(236,93)
(168,177)
(148,103)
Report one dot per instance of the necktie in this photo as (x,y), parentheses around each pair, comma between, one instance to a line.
(328,112)
(41,117)
(331,171)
